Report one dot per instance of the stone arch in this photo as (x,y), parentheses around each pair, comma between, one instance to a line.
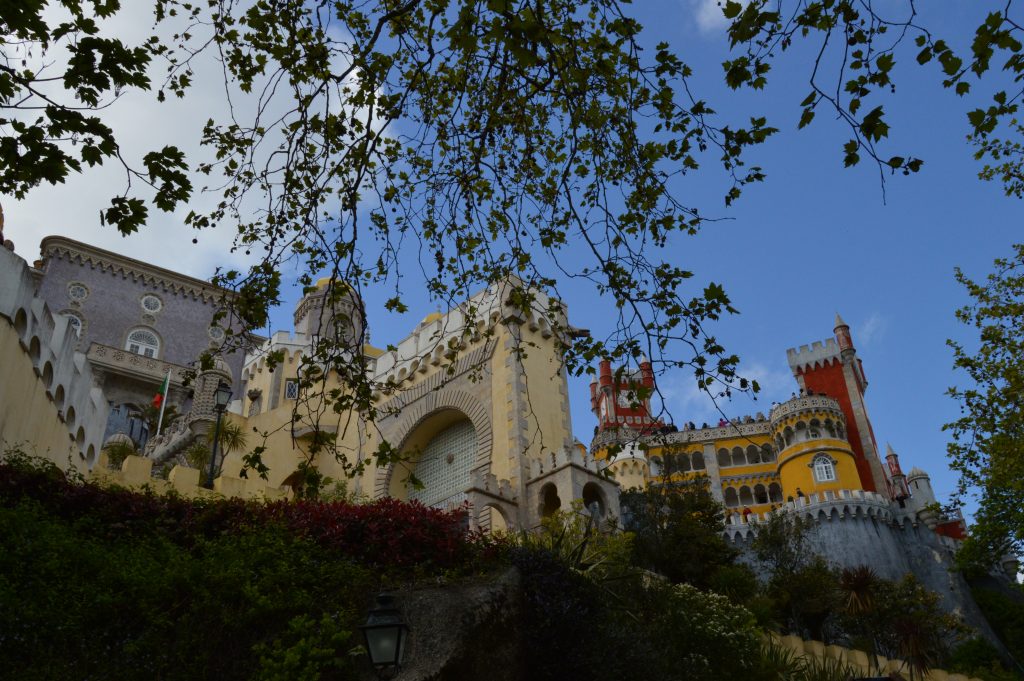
(753,454)
(90,455)
(801,431)
(35,351)
(767,453)
(760,494)
(738,457)
(698,461)
(787,435)
(830,428)
(21,323)
(723,458)
(48,375)
(80,437)
(775,492)
(430,406)
(58,396)
(550,502)
(499,520)
(746,496)
(69,418)
(593,494)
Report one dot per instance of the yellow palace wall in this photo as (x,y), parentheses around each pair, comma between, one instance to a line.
(29,419)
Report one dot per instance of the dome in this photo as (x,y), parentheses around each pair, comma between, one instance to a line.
(119,439)
(916,472)
(432,317)
(324,282)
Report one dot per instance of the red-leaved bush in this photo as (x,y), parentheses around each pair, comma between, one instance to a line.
(386,533)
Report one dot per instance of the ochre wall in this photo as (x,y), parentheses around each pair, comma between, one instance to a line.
(28,417)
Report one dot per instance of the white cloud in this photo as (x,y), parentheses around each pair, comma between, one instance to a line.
(685,402)
(872,330)
(708,14)
(140,124)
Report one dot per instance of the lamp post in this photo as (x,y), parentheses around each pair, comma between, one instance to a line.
(385,635)
(221,397)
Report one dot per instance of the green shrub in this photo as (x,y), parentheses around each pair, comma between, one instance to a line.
(74,605)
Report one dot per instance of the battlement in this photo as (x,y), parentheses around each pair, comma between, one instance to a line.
(813,356)
(569,456)
(489,484)
(820,507)
(136,472)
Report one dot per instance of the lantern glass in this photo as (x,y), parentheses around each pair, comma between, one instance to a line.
(385,634)
(384,643)
(222,395)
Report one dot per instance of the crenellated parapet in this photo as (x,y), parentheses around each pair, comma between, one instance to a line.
(136,472)
(43,361)
(814,356)
(827,506)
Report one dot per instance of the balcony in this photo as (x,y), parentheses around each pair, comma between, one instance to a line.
(120,362)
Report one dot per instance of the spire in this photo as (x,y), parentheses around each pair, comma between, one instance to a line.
(842,331)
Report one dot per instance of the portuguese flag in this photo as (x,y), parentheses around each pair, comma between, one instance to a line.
(159,398)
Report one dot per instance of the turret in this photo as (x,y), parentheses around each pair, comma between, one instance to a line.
(814,454)
(646,374)
(832,368)
(843,337)
(897,481)
(332,310)
(622,399)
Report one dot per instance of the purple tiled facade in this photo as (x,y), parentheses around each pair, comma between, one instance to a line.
(112,308)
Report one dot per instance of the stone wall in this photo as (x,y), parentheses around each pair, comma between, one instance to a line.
(49,403)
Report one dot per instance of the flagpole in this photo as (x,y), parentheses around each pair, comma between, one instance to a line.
(163,402)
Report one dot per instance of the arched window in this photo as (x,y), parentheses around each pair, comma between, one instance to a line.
(143,342)
(683,461)
(753,454)
(74,321)
(698,461)
(723,458)
(767,455)
(746,497)
(738,459)
(655,466)
(775,492)
(829,428)
(731,498)
(760,494)
(824,468)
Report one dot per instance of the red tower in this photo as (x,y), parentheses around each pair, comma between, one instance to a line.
(832,368)
(622,399)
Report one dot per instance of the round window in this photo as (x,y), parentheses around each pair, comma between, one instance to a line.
(216,333)
(151,303)
(77,292)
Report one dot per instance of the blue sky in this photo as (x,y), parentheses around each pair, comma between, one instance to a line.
(813,240)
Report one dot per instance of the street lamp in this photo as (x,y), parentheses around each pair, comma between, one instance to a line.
(385,634)
(221,397)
